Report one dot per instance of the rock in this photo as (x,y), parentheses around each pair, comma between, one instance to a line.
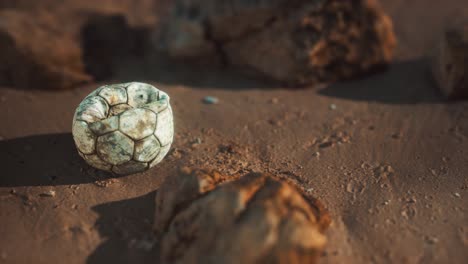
(210,100)
(59,44)
(450,67)
(36,53)
(299,43)
(205,217)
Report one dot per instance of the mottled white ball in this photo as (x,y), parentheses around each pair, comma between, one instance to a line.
(124,128)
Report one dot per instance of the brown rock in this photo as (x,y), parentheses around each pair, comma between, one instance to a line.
(59,44)
(450,67)
(256,218)
(299,42)
(37,53)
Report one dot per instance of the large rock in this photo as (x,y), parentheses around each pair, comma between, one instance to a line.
(59,44)
(205,217)
(36,53)
(296,42)
(450,66)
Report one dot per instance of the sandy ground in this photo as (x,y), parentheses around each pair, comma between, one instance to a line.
(397,191)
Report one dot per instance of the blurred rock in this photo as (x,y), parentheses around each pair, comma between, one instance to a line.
(450,67)
(36,53)
(59,44)
(296,42)
(205,217)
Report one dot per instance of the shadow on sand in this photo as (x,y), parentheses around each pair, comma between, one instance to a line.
(41,160)
(408,82)
(126,225)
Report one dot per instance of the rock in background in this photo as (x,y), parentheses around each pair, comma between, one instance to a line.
(206,217)
(56,44)
(450,67)
(295,42)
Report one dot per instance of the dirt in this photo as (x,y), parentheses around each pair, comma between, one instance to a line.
(388,159)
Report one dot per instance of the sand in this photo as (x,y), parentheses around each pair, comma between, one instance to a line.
(385,154)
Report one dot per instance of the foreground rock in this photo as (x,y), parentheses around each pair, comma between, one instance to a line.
(450,66)
(305,42)
(205,217)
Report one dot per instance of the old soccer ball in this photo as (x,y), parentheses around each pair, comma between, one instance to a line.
(124,128)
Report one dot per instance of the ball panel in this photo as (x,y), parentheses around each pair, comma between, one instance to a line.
(162,96)
(115,148)
(95,92)
(137,123)
(114,94)
(165,127)
(97,162)
(118,109)
(83,137)
(157,106)
(146,149)
(130,167)
(105,126)
(140,94)
(162,153)
(92,109)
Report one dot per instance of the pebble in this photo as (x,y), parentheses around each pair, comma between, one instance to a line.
(274,100)
(316,154)
(457,195)
(50,193)
(210,100)
(432,240)
(332,106)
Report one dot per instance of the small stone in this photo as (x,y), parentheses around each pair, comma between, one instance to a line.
(432,240)
(327,144)
(457,195)
(274,100)
(332,106)
(50,193)
(210,100)
(316,154)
